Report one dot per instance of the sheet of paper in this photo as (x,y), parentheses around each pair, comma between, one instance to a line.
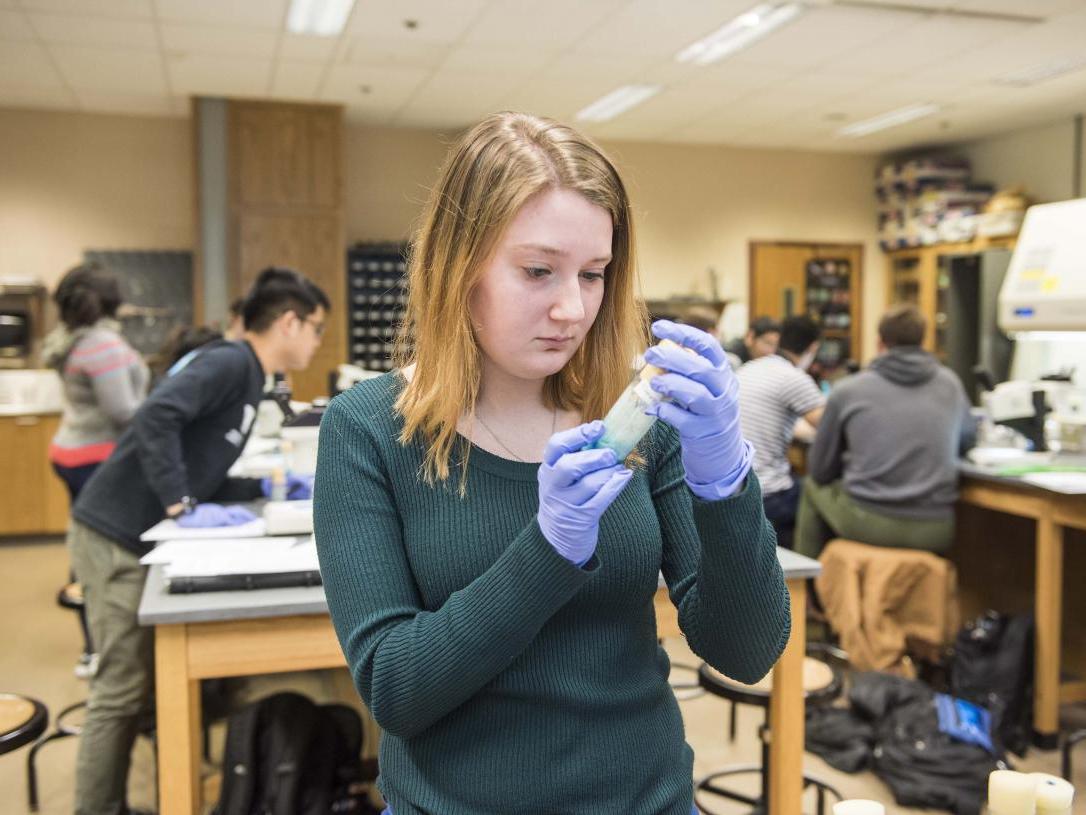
(169,530)
(1071,483)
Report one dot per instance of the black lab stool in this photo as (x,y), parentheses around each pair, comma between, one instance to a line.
(822,683)
(22,720)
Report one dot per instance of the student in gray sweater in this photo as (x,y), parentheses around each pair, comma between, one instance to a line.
(883,468)
(104,379)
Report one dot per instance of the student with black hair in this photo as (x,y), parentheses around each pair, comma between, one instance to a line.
(762,339)
(774,392)
(104,378)
(172,462)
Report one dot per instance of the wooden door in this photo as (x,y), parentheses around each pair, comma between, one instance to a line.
(779,282)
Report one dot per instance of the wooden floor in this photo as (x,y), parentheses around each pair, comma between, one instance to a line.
(41,642)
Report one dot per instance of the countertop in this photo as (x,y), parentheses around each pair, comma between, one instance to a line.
(993,472)
(30,410)
(159,607)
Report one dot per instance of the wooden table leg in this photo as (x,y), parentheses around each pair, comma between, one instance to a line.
(786,712)
(177,700)
(1048,602)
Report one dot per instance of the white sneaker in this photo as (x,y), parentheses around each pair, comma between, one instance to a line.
(87,666)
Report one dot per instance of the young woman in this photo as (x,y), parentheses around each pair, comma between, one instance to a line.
(491,580)
(104,379)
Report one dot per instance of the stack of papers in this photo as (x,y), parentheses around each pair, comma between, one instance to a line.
(234,556)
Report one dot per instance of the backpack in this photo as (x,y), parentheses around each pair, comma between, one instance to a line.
(285,755)
(992,667)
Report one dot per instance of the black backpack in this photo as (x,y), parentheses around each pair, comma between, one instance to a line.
(286,755)
(992,667)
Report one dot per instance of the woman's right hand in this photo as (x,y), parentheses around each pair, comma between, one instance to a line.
(575,488)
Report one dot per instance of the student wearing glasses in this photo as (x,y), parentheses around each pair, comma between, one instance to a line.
(172,462)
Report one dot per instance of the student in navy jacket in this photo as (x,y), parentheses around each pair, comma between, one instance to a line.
(172,461)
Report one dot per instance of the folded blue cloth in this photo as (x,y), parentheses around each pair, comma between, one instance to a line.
(212,515)
(964,721)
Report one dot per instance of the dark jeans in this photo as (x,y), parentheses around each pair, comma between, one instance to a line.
(780,509)
(75,478)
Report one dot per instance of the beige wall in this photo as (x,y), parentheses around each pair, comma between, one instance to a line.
(696,207)
(71,181)
(1041,159)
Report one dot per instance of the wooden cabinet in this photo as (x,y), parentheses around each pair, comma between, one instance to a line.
(33,500)
(285,168)
(920,276)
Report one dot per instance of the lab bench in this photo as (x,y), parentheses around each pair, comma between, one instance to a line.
(242,633)
(1052,512)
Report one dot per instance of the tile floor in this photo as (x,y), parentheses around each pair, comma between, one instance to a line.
(41,642)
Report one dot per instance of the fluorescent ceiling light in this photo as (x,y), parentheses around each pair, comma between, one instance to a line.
(324,18)
(736,35)
(887,120)
(616,102)
(1039,73)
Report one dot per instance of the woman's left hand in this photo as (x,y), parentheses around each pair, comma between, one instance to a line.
(704,408)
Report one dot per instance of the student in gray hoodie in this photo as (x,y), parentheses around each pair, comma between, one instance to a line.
(883,467)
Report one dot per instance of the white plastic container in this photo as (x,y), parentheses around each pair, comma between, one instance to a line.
(301,452)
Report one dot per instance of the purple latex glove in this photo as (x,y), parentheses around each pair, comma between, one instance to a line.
(575,488)
(704,409)
(209,515)
(299,487)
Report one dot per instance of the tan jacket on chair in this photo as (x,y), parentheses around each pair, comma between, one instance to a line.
(875,597)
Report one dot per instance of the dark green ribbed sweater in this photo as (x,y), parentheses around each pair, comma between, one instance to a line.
(506,679)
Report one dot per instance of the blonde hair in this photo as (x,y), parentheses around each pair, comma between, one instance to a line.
(488,176)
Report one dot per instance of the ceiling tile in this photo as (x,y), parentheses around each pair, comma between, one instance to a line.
(821,35)
(110,70)
(653,27)
(27,64)
(213,75)
(136,104)
(529,23)
(131,9)
(306,48)
(575,66)
(925,43)
(437,20)
(136,35)
(509,61)
(387,88)
(399,53)
(191,38)
(14,27)
(473,91)
(296,80)
(255,13)
(559,99)
(1035,8)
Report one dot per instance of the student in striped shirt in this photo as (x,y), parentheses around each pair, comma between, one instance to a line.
(774,392)
(104,379)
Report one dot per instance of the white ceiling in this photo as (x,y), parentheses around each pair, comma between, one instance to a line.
(795,88)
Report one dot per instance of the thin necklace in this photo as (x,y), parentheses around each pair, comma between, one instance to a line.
(504,446)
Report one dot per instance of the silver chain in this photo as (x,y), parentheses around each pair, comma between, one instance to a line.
(504,446)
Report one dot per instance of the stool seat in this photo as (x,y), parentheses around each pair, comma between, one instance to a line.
(22,720)
(820,681)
